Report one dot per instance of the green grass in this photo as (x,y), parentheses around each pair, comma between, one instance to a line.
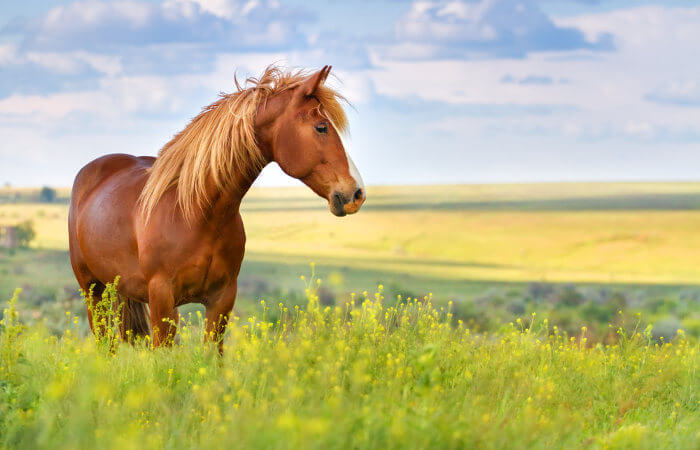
(487,247)
(382,373)
(643,233)
(363,375)
(28,195)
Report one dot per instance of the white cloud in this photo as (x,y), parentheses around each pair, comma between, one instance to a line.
(106,26)
(678,93)
(228,9)
(606,94)
(8,54)
(71,63)
(489,105)
(128,96)
(120,97)
(54,106)
(495,28)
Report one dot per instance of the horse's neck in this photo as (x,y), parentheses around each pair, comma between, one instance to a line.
(225,203)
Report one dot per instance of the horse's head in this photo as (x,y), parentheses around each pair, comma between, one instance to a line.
(307,145)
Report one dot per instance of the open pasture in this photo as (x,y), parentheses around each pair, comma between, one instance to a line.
(609,233)
(486,245)
(481,371)
(361,375)
(643,233)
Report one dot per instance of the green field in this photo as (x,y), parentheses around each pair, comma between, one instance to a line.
(609,358)
(483,246)
(606,233)
(361,375)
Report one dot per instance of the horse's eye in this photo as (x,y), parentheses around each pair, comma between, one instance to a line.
(321,128)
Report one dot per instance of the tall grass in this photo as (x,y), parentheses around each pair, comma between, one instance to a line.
(373,373)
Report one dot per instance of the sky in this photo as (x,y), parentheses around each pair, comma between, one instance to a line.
(473,91)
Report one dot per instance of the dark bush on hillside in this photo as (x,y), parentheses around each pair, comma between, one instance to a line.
(569,296)
(24,233)
(593,312)
(47,195)
(540,291)
(664,306)
(474,316)
(517,307)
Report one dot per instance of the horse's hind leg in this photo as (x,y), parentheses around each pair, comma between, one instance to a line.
(134,315)
(93,290)
(135,319)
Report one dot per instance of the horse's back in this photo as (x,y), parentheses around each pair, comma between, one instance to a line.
(97,179)
(101,169)
(102,212)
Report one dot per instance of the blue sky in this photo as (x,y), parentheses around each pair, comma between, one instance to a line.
(443,92)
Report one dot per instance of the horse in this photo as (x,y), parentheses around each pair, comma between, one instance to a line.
(170,226)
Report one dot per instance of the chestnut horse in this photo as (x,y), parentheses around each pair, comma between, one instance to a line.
(170,226)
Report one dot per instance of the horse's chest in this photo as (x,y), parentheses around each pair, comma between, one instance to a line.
(215,271)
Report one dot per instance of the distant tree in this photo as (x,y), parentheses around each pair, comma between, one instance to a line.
(24,233)
(47,195)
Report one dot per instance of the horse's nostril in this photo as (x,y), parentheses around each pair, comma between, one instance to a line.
(358,194)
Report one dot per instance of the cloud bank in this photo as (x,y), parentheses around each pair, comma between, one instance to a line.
(456,91)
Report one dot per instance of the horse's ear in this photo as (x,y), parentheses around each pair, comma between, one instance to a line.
(312,83)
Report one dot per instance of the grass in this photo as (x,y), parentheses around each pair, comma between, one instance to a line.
(370,372)
(485,247)
(588,233)
(595,233)
(50,222)
(374,373)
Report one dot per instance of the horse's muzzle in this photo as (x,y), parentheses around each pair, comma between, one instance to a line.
(342,204)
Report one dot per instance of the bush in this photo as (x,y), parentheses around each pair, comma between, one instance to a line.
(25,233)
(47,195)
(569,296)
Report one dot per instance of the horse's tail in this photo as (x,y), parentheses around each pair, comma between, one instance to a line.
(135,319)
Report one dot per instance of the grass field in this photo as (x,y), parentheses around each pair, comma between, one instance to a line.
(462,243)
(477,369)
(608,233)
(362,375)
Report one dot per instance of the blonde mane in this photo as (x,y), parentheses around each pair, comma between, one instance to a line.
(220,142)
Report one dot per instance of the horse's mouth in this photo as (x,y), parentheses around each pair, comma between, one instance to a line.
(341,206)
(337,203)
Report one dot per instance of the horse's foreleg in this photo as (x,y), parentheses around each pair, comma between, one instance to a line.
(217,315)
(164,315)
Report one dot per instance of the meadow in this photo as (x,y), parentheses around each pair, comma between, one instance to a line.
(373,373)
(499,316)
(497,251)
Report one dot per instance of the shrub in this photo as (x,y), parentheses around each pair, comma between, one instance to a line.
(47,195)
(25,233)
(569,296)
